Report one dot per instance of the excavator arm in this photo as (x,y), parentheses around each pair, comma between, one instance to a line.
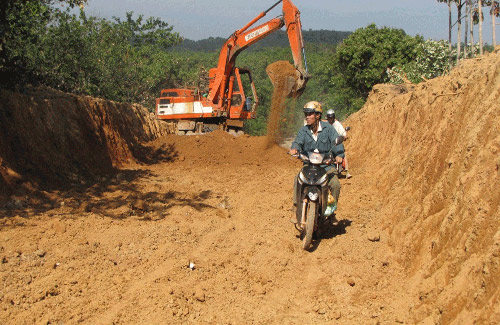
(244,37)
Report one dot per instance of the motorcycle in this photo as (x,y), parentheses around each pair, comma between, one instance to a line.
(312,193)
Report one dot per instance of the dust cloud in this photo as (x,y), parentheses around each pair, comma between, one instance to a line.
(283,77)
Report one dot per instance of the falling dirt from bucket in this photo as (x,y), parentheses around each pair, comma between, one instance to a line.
(283,76)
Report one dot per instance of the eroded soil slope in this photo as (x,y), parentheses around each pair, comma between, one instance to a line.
(418,237)
(435,149)
(48,137)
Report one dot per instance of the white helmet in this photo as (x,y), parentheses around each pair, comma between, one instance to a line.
(330,113)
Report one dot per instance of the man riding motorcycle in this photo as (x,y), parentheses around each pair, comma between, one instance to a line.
(320,136)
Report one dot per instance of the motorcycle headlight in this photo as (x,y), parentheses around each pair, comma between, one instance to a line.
(313,196)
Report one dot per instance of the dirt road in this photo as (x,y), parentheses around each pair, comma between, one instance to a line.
(127,258)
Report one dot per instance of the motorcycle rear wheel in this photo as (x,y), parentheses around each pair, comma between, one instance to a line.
(309,229)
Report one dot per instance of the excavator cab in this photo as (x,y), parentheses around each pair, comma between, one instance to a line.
(242,99)
(239,92)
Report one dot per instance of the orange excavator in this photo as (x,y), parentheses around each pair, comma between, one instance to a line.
(225,105)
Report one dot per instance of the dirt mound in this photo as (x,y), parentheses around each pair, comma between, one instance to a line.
(219,148)
(49,137)
(434,149)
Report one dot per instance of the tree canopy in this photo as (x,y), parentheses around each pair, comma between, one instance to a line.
(123,60)
(362,60)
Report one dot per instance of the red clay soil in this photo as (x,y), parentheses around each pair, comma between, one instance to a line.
(50,137)
(418,238)
(435,151)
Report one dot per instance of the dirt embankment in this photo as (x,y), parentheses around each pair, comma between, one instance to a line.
(435,150)
(48,137)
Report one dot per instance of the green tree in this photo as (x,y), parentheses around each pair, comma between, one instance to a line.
(361,61)
(22,23)
(431,61)
(122,60)
(118,60)
(494,12)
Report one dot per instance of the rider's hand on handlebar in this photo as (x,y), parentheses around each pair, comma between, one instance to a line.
(338,160)
(293,152)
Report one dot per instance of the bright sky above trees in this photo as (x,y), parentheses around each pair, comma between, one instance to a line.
(198,19)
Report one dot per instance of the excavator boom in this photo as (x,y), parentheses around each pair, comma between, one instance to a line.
(243,38)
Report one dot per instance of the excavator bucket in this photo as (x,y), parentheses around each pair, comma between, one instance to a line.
(286,79)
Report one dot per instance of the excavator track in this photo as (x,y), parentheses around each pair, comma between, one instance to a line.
(186,127)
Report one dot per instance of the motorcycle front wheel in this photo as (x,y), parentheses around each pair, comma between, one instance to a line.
(309,229)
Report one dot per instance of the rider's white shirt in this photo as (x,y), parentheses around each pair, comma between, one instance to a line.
(315,136)
(339,128)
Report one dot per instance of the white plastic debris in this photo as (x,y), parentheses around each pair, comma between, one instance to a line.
(191,265)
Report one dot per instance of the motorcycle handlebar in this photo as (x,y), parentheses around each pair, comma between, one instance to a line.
(304,158)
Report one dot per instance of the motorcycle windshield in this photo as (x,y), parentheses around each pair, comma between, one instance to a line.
(316,157)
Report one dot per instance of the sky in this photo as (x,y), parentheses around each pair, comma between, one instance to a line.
(199,19)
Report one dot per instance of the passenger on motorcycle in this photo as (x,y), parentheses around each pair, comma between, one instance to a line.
(318,135)
(330,116)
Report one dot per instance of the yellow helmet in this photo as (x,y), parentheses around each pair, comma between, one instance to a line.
(313,107)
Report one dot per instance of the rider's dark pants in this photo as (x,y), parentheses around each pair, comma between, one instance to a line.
(334,184)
